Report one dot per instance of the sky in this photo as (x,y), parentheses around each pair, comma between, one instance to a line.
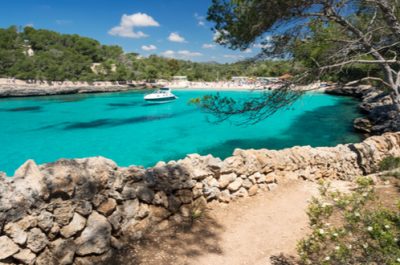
(169,28)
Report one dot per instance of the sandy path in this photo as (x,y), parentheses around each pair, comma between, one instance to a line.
(248,231)
(262,226)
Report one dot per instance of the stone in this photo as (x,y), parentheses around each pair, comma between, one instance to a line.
(30,181)
(54,231)
(199,206)
(63,212)
(173,203)
(115,219)
(63,251)
(25,256)
(211,193)
(84,208)
(98,199)
(185,196)
(130,208)
(224,196)
(158,214)
(160,198)
(225,180)
(242,192)
(16,232)
(143,211)
(144,193)
(213,183)
(107,207)
(116,243)
(128,193)
(37,240)
(7,247)
(45,221)
(262,179)
(96,237)
(253,190)
(247,184)
(185,211)
(46,258)
(234,186)
(76,225)
(272,186)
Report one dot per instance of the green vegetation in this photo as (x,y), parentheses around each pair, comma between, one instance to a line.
(352,228)
(59,57)
(389,163)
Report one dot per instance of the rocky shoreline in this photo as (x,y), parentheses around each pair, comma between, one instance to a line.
(380,114)
(83,211)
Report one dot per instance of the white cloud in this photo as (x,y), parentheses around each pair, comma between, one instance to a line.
(233,56)
(149,47)
(168,53)
(200,20)
(208,46)
(186,53)
(217,37)
(248,50)
(128,23)
(181,54)
(175,37)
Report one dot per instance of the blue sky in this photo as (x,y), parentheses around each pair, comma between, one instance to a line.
(172,28)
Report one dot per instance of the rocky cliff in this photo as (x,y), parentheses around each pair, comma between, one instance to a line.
(380,114)
(81,211)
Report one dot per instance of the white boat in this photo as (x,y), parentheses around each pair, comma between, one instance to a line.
(162,95)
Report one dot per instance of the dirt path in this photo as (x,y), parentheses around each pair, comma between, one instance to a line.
(248,231)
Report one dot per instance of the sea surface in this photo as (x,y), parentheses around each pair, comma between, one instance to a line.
(122,127)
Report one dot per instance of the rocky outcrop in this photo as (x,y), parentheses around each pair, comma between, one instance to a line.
(80,211)
(380,114)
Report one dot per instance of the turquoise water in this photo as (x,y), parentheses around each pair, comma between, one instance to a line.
(122,127)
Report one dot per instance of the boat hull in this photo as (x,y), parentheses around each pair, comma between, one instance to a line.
(160,100)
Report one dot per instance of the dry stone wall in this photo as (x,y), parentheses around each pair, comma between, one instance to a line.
(81,211)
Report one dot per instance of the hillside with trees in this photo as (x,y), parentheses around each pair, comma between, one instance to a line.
(40,54)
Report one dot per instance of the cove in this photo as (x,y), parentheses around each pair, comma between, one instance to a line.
(122,127)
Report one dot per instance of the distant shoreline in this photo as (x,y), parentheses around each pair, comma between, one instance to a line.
(21,88)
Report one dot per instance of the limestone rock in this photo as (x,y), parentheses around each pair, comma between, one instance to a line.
(242,192)
(130,208)
(76,225)
(247,184)
(96,237)
(16,232)
(7,247)
(83,207)
(37,240)
(253,190)
(63,251)
(63,212)
(45,221)
(185,196)
(161,198)
(30,181)
(234,186)
(25,256)
(115,219)
(225,180)
(224,196)
(107,207)
(46,258)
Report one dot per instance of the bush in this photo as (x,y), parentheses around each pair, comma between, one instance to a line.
(351,228)
(389,163)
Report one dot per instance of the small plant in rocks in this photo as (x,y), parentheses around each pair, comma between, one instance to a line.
(389,163)
(351,228)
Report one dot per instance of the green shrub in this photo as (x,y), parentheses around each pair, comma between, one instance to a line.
(346,229)
(389,163)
